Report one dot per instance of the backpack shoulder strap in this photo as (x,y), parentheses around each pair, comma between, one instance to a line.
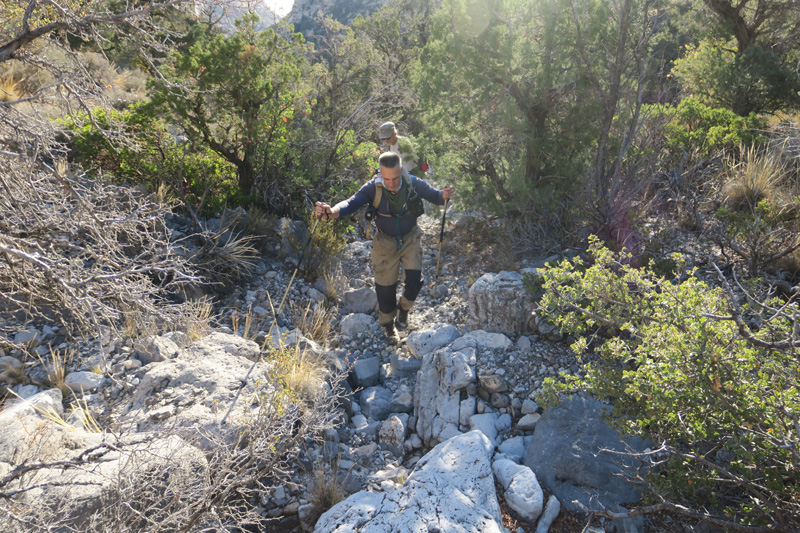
(378,194)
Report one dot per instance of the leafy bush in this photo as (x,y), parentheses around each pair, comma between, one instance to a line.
(136,147)
(682,367)
(696,127)
(753,81)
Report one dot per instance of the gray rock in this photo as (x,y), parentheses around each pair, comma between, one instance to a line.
(402,401)
(565,455)
(355,324)
(392,434)
(550,514)
(29,336)
(486,424)
(8,363)
(316,297)
(490,341)
(500,303)
(524,343)
(211,370)
(513,448)
(362,300)
(529,407)
(443,377)
(84,381)
(367,372)
(155,349)
(492,383)
(375,402)
(523,492)
(293,235)
(180,338)
(528,422)
(404,367)
(423,342)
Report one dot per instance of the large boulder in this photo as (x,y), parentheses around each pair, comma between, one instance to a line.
(499,303)
(565,453)
(451,489)
(75,474)
(192,392)
(443,378)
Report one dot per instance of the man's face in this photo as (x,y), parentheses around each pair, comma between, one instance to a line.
(392,178)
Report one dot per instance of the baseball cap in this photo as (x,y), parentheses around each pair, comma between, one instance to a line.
(386,130)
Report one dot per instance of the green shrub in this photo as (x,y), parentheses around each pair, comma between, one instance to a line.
(327,240)
(696,127)
(137,148)
(682,368)
(752,81)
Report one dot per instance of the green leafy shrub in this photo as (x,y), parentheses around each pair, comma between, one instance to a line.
(682,367)
(697,127)
(133,146)
(752,81)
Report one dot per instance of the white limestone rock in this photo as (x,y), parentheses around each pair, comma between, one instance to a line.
(451,489)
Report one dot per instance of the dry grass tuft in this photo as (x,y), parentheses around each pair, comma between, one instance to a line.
(315,323)
(301,372)
(335,282)
(198,318)
(759,175)
(57,368)
(80,412)
(328,489)
(247,332)
(9,89)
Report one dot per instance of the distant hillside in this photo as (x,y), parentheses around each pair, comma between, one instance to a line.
(304,12)
(225,12)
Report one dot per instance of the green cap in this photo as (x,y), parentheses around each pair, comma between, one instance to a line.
(386,130)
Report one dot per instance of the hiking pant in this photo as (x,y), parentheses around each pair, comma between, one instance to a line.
(386,262)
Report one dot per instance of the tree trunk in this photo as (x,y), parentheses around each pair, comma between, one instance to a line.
(246,174)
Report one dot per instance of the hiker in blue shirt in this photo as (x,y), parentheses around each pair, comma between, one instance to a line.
(395,199)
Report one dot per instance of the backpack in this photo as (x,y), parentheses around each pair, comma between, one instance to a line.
(413,204)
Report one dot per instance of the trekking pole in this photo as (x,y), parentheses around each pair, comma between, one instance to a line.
(441,238)
(274,320)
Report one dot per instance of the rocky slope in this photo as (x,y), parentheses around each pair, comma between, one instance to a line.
(459,393)
(304,13)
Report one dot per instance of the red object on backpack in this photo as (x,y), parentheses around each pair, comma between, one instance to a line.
(424,166)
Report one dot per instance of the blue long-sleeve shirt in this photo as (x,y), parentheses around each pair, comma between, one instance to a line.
(389,224)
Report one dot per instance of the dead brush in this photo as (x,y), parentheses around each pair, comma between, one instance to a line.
(225,258)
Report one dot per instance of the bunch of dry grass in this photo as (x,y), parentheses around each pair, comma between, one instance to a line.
(57,368)
(9,89)
(335,282)
(224,257)
(760,174)
(314,321)
(328,489)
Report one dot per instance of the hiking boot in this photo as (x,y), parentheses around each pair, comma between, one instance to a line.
(402,319)
(391,333)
